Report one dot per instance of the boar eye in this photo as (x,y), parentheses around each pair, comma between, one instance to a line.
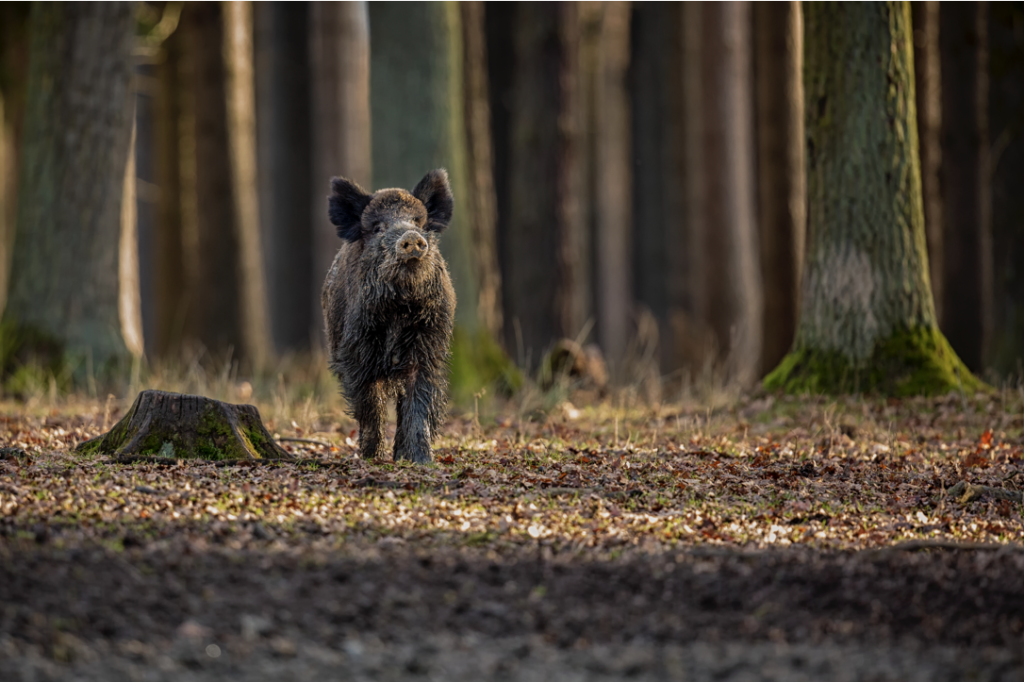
(378,228)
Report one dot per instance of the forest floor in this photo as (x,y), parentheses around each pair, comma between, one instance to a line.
(774,539)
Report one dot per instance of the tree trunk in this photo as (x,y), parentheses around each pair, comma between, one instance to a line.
(240,91)
(340,36)
(928,81)
(481,198)
(966,183)
(179,426)
(728,262)
(660,265)
(129,298)
(416,56)
(1006,116)
(64,285)
(226,305)
(867,321)
(175,143)
(14,49)
(285,168)
(613,200)
(778,45)
(539,240)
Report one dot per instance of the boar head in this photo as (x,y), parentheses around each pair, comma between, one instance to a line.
(396,231)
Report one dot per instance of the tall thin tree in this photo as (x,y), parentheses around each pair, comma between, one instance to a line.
(726,267)
(340,44)
(778,45)
(928,81)
(613,200)
(225,309)
(540,232)
(966,181)
(285,151)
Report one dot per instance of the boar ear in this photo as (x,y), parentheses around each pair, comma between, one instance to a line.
(345,208)
(436,195)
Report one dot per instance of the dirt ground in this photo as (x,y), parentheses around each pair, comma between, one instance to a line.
(776,540)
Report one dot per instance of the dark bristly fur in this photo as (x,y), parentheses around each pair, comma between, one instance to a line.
(389,307)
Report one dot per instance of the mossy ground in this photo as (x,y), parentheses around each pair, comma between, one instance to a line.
(911,362)
(479,362)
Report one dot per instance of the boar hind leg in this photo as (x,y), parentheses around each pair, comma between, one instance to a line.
(370,410)
(417,420)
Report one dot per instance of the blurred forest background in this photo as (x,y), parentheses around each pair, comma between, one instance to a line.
(629,180)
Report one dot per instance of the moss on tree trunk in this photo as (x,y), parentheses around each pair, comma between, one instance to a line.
(867,319)
(186,426)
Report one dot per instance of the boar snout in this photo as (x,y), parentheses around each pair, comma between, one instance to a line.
(411,246)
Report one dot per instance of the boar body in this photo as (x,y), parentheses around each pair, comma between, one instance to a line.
(389,308)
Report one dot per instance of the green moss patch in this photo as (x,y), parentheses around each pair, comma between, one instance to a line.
(911,362)
(477,362)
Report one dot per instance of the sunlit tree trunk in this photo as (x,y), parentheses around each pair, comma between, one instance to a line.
(966,183)
(222,253)
(129,298)
(240,92)
(928,81)
(867,322)
(539,234)
(778,66)
(7,199)
(14,42)
(285,168)
(340,37)
(63,297)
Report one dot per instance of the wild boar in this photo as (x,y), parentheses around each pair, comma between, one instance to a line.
(389,308)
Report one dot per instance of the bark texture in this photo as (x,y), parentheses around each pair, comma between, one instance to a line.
(928,81)
(340,38)
(285,169)
(867,322)
(539,231)
(180,426)
(782,197)
(64,283)
(966,182)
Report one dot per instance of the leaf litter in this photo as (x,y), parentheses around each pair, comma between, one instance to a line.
(851,520)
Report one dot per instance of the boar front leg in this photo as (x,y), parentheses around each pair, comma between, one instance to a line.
(371,412)
(417,418)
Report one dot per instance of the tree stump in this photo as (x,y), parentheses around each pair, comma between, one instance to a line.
(174,425)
